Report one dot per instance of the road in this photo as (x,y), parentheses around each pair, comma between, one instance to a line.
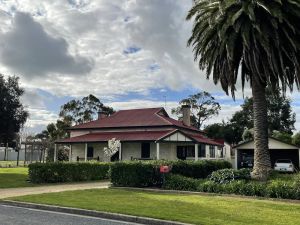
(11,215)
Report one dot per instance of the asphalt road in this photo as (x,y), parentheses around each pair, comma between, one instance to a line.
(11,215)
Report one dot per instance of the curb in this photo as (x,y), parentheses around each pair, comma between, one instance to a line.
(92,213)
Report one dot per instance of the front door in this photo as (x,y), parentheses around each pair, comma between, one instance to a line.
(145,151)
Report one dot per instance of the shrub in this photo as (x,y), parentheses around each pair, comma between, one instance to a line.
(228,175)
(134,174)
(146,173)
(67,172)
(178,182)
(199,169)
(281,189)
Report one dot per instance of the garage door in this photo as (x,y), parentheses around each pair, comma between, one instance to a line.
(292,154)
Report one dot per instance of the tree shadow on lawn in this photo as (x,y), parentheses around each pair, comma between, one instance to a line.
(14,180)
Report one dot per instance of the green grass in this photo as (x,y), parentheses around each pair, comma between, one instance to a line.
(196,209)
(14,177)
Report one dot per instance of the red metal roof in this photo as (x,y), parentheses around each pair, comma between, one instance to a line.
(135,136)
(122,136)
(147,117)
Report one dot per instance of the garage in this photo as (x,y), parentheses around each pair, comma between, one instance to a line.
(244,153)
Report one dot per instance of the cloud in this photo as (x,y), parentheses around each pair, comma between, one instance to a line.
(28,50)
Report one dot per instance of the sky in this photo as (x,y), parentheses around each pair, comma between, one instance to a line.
(128,53)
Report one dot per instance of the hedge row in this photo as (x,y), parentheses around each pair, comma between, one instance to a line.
(67,172)
(271,189)
(146,173)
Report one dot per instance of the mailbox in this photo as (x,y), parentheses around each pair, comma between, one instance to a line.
(164,169)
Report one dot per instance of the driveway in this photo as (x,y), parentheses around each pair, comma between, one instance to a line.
(11,215)
(13,192)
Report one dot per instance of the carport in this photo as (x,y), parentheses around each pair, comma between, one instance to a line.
(244,153)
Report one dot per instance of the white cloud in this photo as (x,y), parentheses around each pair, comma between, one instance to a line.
(76,47)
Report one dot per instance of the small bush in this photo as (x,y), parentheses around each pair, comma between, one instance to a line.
(178,182)
(67,172)
(228,175)
(281,189)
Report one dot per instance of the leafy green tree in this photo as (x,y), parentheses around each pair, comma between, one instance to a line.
(12,112)
(280,115)
(222,131)
(203,107)
(296,139)
(285,137)
(261,40)
(84,110)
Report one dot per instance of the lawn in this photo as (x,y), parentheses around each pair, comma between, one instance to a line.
(196,209)
(14,177)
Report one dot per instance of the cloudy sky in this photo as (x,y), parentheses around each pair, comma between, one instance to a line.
(129,53)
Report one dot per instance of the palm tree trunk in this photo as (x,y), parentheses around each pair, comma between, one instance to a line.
(262,162)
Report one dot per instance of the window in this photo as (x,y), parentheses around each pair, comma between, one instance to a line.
(184,152)
(190,151)
(201,151)
(145,152)
(212,151)
(90,152)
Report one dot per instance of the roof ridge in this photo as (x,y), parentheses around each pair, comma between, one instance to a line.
(161,117)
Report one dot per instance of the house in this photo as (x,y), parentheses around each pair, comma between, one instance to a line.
(147,133)
(244,153)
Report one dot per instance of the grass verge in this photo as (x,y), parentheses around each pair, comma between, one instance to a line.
(14,177)
(195,209)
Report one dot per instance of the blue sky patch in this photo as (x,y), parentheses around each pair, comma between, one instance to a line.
(131,50)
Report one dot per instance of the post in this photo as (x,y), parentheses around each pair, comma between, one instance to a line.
(196,152)
(157,150)
(25,153)
(70,153)
(85,152)
(235,159)
(120,152)
(55,152)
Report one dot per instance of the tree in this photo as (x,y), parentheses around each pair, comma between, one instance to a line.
(222,131)
(84,110)
(203,107)
(261,40)
(12,113)
(285,137)
(280,115)
(296,139)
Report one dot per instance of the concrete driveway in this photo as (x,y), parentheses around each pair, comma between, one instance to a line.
(13,192)
(11,215)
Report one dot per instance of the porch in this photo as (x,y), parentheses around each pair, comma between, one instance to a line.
(143,151)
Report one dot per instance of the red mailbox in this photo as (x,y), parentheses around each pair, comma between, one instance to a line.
(164,169)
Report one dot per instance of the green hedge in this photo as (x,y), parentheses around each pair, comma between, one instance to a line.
(67,172)
(146,173)
(271,189)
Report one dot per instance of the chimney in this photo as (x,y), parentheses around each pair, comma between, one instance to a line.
(186,115)
(101,114)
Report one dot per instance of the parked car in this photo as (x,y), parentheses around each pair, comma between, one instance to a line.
(284,165)
(247,161)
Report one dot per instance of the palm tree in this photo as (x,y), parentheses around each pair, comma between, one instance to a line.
(251,40)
